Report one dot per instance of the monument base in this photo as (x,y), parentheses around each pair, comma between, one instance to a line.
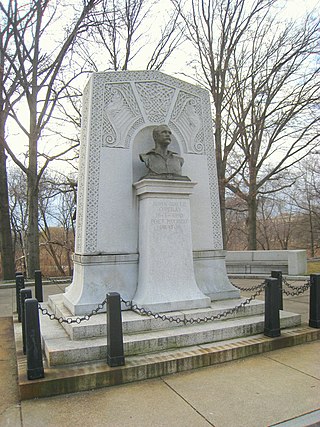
(166,280)
(96,275)
(68,344)
(211,275)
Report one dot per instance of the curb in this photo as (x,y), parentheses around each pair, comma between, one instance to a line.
(98,374)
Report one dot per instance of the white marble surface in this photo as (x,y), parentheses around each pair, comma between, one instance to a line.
(292,262)
(166,280)
(120,110)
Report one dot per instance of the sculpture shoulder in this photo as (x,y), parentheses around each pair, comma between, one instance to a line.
(176,156)
(144,157)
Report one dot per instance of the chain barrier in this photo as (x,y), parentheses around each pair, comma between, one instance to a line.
(163,317)
(296,290)
(186,321)
(70,320)
(57,281)
(252,288)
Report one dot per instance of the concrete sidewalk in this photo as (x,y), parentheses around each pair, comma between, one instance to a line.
(262,390)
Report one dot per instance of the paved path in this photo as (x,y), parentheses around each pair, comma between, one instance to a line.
(258,391)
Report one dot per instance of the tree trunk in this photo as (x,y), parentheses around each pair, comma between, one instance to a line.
(33,252)
(252,222)
(222,197)
(6,244)
(33,255)
(6,247)
(312,245)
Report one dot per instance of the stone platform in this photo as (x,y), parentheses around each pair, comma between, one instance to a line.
(89,376)
(75,354)
(86,342)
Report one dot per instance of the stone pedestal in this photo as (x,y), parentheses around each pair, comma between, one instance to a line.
(119,113)
(166,280)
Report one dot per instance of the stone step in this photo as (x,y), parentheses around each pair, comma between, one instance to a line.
(133,322)
(60,350)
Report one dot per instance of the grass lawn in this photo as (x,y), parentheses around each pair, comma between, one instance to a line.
(313,267)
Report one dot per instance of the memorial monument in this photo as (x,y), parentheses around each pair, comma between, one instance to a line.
(166,280)
(148,229)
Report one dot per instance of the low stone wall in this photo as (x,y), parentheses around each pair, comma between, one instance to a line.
(291,262)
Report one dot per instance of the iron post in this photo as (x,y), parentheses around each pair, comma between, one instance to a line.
(19,286)
(115,354)
(38,285)
(33,340)
(277,274)
(314,306)
(271,313)
(24,294)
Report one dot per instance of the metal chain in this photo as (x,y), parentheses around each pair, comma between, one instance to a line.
(70,320)
(61,281)
(297,290)
(285,282)
(164,317)
(253,288)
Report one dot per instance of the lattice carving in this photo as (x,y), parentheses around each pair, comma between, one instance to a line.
(122,103)
(81,175)
(156,99)
(187,115)
(95,135)
(121,111)
(213,178)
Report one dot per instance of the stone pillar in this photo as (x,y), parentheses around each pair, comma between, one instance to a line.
(166,280)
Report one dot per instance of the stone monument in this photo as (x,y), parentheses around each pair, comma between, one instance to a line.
(166,280)
(131,230)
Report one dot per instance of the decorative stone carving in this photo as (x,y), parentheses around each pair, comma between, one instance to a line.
(187,117)
(145,99)
(156,100)
(120,109)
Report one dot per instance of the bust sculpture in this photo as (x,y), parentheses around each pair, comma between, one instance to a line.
(161,162)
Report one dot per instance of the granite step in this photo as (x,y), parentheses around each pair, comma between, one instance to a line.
(133,322)
(60,350)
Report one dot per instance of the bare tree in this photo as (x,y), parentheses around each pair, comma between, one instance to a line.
(38,64)
(9,95)
(275,222)
(18,215)
(273,109)
(305,196)
(263,76)
(57,209)
(128,32)
(216,28)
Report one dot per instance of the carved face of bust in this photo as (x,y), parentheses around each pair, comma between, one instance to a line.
(162,135)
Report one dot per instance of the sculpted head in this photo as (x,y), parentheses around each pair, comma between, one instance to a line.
(162,135)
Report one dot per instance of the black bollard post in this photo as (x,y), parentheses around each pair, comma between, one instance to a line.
(24,294)
(38,285)
(115,354)
(314,307)
(277,274)
(33,340)
(271,313)
(19,286)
